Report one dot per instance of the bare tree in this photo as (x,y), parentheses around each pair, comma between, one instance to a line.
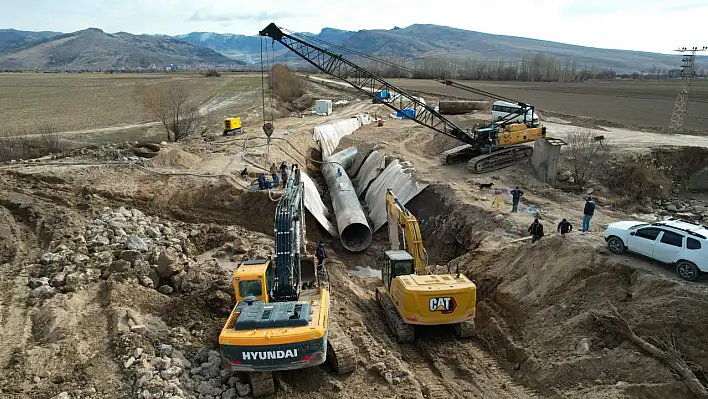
(285,84)
(173,107)
(583,153)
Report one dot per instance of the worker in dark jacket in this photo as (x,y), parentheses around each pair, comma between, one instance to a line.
(536,230)
(320,254)
(564,227)
(284,173)
(516,195)
(588,212)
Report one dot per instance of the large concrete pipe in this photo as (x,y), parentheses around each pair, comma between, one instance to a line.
(460,107)
(354,230)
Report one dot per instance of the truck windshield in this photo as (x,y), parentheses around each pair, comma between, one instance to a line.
(250,287)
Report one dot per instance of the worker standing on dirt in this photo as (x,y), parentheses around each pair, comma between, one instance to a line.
(588,213)
(564,227)
(284,173)
(320,254)
(536,230)
(516,195)
(274,173)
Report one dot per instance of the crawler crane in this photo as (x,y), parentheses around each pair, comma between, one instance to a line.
(496,146)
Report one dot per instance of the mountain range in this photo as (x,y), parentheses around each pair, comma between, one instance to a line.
(94,49)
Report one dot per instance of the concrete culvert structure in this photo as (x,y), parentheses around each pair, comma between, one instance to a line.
(352,225)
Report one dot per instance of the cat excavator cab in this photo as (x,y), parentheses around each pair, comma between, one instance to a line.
(410,295)
(282,319)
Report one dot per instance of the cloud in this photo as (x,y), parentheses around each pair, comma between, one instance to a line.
(210,16)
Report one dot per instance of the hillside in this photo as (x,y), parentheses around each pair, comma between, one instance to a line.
(429,40)
(94,49)
(11,39)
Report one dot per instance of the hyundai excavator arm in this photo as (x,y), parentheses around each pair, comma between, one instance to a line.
(400,220)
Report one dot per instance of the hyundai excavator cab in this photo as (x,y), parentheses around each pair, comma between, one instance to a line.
(282,319)
(411,296)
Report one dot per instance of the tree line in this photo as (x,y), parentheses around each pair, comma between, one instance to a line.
(538,68)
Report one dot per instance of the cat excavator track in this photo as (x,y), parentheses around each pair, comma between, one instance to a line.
(465,329)
(404,332)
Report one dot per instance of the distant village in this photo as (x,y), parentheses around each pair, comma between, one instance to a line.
(199,67)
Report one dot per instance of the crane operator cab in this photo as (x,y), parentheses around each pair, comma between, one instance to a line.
(398,263)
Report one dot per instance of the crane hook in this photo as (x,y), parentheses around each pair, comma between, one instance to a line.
(268,129)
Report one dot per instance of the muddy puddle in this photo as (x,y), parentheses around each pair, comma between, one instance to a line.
(363,271)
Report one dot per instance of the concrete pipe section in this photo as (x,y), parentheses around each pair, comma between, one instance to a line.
(354,230)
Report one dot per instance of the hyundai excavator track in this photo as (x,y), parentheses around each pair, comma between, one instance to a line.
(262,383)
(341,353)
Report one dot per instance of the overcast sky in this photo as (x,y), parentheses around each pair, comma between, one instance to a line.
(647,25)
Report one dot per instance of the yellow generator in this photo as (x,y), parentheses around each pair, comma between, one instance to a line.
(411,296)
(232,125)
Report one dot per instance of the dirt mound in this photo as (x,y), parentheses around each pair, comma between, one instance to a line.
(436,144)
(534,309)
(8,245)
(176,158)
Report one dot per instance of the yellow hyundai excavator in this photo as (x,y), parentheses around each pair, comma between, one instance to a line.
(412,296)
(282,318)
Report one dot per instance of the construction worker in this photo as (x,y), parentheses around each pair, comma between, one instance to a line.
(261,181)
(588,212)
(516,195)
(536,230)
(320,254)
(284,173)
(564,227)
(274,173)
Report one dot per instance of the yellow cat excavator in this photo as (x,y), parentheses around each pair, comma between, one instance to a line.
(282,318)
(412,296)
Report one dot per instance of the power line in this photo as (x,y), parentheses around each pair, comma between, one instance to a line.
(687,72)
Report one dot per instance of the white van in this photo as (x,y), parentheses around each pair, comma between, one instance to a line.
(502,109)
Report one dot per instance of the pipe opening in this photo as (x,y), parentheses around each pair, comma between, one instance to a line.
(356,237)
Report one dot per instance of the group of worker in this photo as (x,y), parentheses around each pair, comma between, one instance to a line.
(564,227)
(275,173)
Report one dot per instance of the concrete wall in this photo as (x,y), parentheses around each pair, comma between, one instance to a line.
(545,160)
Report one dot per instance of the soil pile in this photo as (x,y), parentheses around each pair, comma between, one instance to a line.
(176,158)
(534,309)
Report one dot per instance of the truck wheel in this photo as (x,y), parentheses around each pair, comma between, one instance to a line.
(687,271)
(615,245)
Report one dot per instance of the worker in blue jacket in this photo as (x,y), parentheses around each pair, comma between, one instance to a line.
(588,213)
(320,254)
